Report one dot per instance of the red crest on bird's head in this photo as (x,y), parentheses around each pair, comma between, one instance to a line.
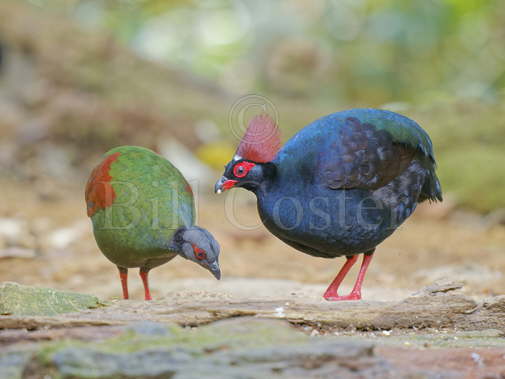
(261,140)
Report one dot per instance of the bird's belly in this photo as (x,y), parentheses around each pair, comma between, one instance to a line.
(329,224)
(128,249)
(129,258)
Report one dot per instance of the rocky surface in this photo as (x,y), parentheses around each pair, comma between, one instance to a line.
(234,348)
(248,348)
(220,335)
(437,306)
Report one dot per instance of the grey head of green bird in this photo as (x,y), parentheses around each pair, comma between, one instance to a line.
(198,245)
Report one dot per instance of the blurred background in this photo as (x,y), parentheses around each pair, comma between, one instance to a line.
(78,77)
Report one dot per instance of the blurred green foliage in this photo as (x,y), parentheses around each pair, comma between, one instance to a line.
(441,62)
(470,150)
(473,176)
(344,51)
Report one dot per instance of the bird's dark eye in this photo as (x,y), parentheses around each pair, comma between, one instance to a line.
(238,171)
(200,254)
(241,169)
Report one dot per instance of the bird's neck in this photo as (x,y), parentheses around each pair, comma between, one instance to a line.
(175,243)
(264,183)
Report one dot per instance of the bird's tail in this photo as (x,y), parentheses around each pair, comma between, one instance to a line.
(431,190)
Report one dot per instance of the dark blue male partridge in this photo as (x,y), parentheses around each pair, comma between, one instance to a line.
(338,187)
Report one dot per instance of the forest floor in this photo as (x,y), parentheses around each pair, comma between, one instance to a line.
(431,301)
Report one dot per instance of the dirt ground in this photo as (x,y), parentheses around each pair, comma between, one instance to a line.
(435,243)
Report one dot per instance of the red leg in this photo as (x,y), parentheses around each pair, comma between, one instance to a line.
(123,275)
(331,292)
(143,275)
(356,291)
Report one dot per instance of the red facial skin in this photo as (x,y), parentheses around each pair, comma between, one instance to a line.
(199,253)
(229,184)
(240,170)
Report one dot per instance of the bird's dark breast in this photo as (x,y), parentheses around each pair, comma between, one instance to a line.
(326,222)
(341,223)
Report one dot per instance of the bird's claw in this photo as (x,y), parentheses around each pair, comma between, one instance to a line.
(351,296)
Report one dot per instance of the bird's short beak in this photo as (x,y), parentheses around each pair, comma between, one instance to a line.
(216,271)
(224,184)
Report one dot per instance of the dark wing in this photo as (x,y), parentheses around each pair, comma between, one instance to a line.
(369,155)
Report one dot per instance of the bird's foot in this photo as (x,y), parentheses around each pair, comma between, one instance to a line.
(336,297)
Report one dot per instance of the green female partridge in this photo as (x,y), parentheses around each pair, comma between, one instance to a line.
(143,213)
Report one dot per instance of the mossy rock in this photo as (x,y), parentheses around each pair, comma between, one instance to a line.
(12,364)
(238,333)
(237,348)
(20,300)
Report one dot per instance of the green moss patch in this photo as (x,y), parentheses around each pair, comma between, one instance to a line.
(20,300)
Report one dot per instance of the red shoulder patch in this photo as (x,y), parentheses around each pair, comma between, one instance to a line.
(99,192)
(188,189)
(261,141)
